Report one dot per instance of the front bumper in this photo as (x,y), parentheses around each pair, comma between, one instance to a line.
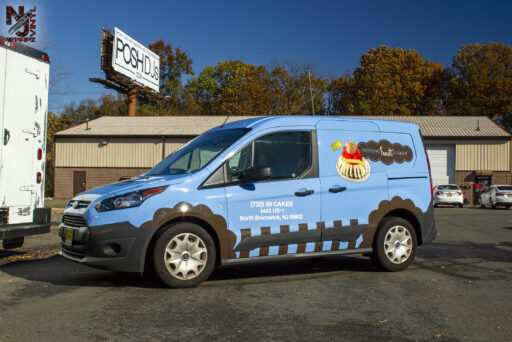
(117,247)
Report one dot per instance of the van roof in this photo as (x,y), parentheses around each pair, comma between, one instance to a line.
(302,120)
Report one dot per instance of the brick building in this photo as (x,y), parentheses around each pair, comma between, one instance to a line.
(462,150)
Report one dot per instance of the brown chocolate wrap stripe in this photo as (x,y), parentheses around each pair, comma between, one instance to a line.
(301,247)
(245,233)
(283,249)
(264,250)
(352,244)
(226,237)
(378,214)
(319,245)
(336,243)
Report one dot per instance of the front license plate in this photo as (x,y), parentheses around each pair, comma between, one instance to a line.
(68,236)
(449,195)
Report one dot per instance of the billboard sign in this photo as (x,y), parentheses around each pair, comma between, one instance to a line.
(135,61)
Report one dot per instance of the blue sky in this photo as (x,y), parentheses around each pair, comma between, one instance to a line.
(331,34)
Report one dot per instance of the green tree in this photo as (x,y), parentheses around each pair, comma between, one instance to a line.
(230,87)
(482,82)
(394,81)
(110,105)
(90,109)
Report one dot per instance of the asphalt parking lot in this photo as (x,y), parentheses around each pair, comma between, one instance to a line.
(458,289)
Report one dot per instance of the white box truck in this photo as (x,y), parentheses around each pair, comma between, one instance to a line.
(24,81)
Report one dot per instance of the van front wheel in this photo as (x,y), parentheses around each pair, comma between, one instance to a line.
(395,244)
(184,255)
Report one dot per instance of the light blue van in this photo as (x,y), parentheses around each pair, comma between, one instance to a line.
(262,189)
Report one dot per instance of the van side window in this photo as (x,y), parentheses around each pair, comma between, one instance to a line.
(288,154)
(240,161)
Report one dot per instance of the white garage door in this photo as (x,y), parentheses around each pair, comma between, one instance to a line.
(442,164)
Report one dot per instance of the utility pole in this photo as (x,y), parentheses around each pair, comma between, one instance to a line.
(311,93)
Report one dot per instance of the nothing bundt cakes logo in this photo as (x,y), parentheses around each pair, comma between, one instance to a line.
(386,152)
(351,165)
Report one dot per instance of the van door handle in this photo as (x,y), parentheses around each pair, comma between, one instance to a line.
(304,193)
(338,189)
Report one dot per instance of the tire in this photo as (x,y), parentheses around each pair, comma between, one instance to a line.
(493,205)
(461,205)
(389,229)
(13,243)
(198,259)
(435,205)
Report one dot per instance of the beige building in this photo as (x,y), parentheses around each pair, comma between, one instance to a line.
(462,150)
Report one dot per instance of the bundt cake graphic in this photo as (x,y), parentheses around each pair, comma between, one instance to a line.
(351,165)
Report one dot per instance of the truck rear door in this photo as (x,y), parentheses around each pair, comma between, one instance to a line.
(21,130)
(3,56)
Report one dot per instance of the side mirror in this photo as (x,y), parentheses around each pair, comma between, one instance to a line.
(255,174)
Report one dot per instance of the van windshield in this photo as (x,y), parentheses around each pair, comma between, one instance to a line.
(198,153)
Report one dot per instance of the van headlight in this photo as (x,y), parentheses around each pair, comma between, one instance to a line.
(129,200)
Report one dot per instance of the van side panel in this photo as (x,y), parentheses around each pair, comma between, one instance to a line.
(413,183)
(410,179)
(347,199)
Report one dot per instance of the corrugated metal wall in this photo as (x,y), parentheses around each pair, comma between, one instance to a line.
(173,144)
(488,155)
(481,155)
(127,152)
(118,152)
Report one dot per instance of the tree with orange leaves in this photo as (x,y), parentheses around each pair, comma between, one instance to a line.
(174,63)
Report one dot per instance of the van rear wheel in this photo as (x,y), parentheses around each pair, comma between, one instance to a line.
(395,244)
(184,255)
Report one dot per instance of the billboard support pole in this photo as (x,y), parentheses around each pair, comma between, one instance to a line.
(125,82)
(132,102)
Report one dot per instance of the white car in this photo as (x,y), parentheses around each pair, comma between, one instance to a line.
(497,195)
(448,194)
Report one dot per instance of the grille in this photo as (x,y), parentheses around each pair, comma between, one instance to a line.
(79,204)
(74,221)
(72,253)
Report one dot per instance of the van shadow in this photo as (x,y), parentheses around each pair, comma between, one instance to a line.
(60,271)
(468,255)
(292,267)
